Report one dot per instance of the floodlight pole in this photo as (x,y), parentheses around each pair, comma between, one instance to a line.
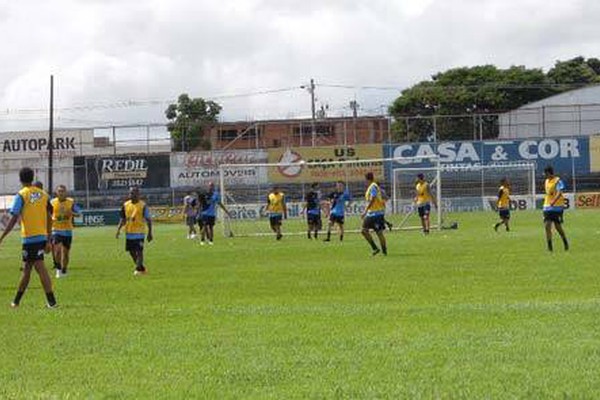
(51,137)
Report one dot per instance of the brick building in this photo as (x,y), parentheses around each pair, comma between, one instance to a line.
(299,132)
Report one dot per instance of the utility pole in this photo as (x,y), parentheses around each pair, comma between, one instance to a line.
(51,137)
(354,107)
(312,104)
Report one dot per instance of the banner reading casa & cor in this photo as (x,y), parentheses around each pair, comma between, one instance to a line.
(298,172)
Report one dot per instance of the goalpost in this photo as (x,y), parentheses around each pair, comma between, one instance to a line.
(247,201)
(463,189)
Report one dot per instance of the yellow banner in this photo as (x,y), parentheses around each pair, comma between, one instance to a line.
(300,157)
(171,215)
(594,153)
(587,200)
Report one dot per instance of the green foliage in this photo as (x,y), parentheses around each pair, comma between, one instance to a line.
(466,313)
(478,92)
(190,121)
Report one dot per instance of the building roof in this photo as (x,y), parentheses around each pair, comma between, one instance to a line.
(589,95)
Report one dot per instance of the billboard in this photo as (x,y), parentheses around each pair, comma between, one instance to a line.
(120,172)
(200,168)
(32,145)
(297,171)
(565,154)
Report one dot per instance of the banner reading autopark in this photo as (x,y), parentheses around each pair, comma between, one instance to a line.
(200,168)
(296,163)
(66,143)
(120,172)
(564,154)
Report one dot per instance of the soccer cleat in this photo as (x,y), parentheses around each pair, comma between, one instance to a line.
(193,236)
(375,252)
(202,243)
(327,240)
(390,226)
(59,274)
(210,243)
(140,272)
(14,305)
(51,306)
(279,236)
(496,227)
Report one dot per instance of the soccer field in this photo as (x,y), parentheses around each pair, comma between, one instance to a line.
(464,313)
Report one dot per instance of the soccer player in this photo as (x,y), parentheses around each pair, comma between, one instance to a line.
(208,214)
(373,216)
(33,206)
(312,206)
(337,209)
(554,204)
(277,210)
(423,200)
(134,216)
(63,210)
(190,210)
(503,204)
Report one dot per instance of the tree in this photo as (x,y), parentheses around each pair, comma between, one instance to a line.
(477,94)
(190,121)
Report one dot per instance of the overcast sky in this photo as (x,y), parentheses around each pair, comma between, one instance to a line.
(104,52)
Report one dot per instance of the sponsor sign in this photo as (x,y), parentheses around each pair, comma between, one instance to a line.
(594,154)
(167,214)
(67,143)
(295,164)
(587,200)
(97,217)
(563,153)
(200,168)
(119,172)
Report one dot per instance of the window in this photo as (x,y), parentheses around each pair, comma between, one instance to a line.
(320,129)
(228,134)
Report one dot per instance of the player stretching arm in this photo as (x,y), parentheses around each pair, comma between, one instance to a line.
(337,208)
(133,215)
(373,216)
(503,204)
(554,204)
(276,209)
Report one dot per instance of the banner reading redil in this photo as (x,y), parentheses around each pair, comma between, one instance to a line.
(300,158)
(200,168)
(121,172)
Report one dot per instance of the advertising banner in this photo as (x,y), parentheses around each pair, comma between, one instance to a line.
(120,172)
(31,145)
(587,200)
(169,215)
(299,171)
(98,218)
(564,154)
(200,168)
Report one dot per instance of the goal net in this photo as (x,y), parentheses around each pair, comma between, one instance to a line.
(462,189)
(247,201)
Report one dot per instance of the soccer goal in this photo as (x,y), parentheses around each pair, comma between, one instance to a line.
(247,200)
(462,189)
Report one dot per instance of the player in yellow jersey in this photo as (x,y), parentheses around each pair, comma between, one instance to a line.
(503,204)
(277,210)
(423,201)
(33,206)
(554,205)
(374,215)
(134,217)
(63,211)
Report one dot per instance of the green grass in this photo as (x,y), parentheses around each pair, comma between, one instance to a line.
(459,314)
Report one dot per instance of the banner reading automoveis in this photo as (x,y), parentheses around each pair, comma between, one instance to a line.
(200,168)
(121,172)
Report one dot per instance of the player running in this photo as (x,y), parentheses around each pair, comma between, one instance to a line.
(373,216)
(423,201)
(337,209)
(208,213)
(503,204)
(312,206)
(190,211)
(33,206)
(63,210)
(134,216)
(277,210)
(554,204)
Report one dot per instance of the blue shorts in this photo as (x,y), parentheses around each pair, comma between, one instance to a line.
(336,219)
(504,213)
(553,216)
(374,222)
(275,220)
(424,210)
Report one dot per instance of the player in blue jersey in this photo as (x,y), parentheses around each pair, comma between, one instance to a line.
(208,213)
(337,209)
(313,211)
